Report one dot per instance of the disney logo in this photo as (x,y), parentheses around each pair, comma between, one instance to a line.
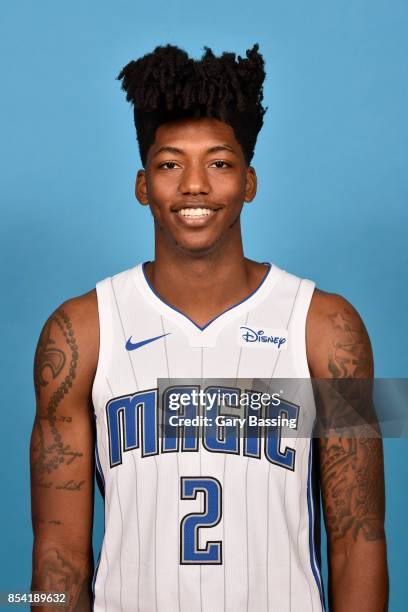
(250,335)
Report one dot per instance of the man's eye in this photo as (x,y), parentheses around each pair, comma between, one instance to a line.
(168,165)
(220,164)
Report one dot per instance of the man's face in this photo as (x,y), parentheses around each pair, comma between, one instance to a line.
(196,181)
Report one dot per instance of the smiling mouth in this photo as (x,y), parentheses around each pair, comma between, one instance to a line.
(196,213)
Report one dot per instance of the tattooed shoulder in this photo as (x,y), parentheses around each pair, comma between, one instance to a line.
(338,340)
(52,354)
(57,354)
(350,356)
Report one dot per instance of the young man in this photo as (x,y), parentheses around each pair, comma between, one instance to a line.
(204,519)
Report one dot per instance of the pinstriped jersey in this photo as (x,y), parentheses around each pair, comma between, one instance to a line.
(203,513)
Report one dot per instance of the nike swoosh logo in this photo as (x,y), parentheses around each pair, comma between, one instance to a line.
(130,346)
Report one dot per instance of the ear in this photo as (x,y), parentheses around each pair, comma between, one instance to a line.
(141,187)
(250,184)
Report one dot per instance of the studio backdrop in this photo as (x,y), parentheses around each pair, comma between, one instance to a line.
(331,203)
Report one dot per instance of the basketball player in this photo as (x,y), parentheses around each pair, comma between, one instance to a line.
(201,520)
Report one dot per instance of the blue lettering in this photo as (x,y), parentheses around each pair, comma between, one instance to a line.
(273,452)
(259,336)
(132,422)
(123,416)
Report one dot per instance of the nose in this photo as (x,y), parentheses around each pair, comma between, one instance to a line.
(194,180)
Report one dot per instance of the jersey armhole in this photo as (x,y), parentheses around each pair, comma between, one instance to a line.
(104,298)
(299,346)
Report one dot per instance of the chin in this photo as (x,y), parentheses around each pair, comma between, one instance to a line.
(197,249)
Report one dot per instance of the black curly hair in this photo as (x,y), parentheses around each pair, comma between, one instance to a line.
(167,85)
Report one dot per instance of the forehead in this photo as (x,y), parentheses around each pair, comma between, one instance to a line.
(195,134)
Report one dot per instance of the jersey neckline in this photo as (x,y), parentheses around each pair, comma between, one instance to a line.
(212,327)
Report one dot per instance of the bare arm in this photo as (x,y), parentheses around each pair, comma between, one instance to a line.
(61,453)
(351,466)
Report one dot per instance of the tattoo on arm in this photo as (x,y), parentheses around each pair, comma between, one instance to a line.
(353,499)
(38,519)
(71,485)
(50,361)
(351,464)
(60,570)
(349,353)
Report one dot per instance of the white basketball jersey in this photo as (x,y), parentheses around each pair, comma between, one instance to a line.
(210,519)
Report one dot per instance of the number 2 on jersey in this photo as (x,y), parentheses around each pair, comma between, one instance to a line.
(190,551)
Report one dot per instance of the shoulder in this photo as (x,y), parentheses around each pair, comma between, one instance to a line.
(80,315)
(69,343)
(337,341)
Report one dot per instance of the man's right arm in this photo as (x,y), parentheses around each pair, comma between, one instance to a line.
(62,452)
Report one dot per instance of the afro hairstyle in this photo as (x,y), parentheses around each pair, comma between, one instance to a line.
(167,85)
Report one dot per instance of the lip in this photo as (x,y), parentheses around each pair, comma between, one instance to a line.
(196,221)
(195,205)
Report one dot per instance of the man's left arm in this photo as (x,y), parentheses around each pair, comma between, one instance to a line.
(351,465)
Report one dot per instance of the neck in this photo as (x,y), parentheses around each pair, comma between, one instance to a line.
(203,286)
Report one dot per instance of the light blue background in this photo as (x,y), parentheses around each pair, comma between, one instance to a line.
(331,162)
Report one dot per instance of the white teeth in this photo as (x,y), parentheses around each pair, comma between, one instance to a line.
(195,212)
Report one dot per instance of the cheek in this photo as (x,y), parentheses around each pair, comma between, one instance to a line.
(162,187)
(229,188)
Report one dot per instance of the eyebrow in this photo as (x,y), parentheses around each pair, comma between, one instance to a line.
(177,151)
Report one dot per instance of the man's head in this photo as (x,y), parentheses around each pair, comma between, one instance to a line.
(197,124)
(167,85)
